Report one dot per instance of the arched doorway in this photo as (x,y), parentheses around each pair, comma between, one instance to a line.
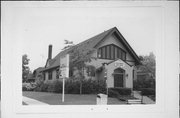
(119,77)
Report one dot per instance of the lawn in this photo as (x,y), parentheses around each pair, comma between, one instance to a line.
(70,99)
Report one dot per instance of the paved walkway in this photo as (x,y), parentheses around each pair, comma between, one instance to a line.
(146,100)
(33,101)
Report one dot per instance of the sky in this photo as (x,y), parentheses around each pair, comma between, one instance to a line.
(41,25)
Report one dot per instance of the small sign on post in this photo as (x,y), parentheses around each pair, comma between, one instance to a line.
(64,69)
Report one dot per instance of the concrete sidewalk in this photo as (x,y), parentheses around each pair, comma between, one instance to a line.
(146,100)
(30,101)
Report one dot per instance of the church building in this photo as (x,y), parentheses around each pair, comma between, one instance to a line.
(112,58)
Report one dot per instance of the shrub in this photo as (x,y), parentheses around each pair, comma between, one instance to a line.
(112,93)
(57,86)
(125,97)
(72,87)
(28,86)
(147,91)
(44,87)
(88,87)
(101,86)
(122,91)
(143,83)
(50,87)
(93,86)
(24,88)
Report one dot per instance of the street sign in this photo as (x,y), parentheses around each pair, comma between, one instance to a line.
(64,69)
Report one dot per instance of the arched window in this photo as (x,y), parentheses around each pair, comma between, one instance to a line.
(119,71)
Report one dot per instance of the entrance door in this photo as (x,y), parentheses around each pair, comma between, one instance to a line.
(119,77)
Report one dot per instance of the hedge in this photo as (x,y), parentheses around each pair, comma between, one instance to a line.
(115,93)
(42,88)
(112,93)
(147,91)
(122,91)
(73,86)
(143,83)
(24,88)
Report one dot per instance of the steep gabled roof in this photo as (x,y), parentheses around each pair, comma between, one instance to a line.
(116,32)
(90,44)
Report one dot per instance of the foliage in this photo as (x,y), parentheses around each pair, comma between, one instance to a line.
(39,79)
(57,86)
(24,88)
(72,86)
(143,83)
(115,93)
(68,44)
(25,68)
(43,87)
(126,97)
(147,67)
(112,93)
(50,87)
(78,59)
(93,86)
(122,91)
(28,86)
(147,91)
(148,64)
(91,70)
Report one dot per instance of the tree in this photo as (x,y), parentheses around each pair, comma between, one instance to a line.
(25,68)
(78,59)
(148,64)
(68,44)
(148,67)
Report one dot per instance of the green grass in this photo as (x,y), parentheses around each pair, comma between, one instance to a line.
(70,99)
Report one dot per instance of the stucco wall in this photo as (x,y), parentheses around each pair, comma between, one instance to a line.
(46,76)
(54,75)
(128,75)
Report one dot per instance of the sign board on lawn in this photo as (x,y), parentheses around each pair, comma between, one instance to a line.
(64,66)
(64,69)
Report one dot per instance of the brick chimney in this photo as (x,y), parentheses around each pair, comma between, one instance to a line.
(50,52)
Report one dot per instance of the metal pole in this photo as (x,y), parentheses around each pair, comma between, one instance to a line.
(107,87)
(63,89)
